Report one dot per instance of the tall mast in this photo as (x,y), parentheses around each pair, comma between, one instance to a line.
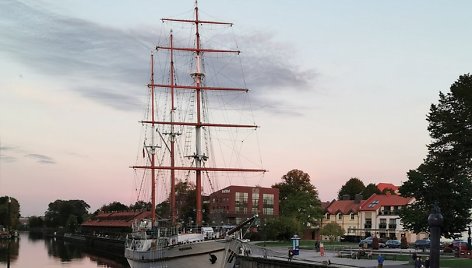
(198,76)
(153,148)
(172,134)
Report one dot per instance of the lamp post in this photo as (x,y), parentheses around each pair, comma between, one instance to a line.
(8,230)
(435,221)
(469,241)
(265,234)
(8,222)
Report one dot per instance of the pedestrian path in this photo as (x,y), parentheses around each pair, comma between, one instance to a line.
(331,258)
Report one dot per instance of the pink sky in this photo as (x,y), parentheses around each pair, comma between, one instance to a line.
(337,96)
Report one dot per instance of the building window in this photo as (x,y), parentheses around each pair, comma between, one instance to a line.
(373,203)
(368,224)
(383,224)
(268,211)
(255,202)
(268,204)
(328,216)
(241,199)
(340,216)
(352,216)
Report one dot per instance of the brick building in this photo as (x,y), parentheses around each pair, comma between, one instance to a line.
(234,204)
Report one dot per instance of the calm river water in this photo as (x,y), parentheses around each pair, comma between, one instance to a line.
(32,251)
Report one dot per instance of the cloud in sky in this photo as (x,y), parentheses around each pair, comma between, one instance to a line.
(10,154)
(7,159)
(5,154)
(42,159)
(101,63)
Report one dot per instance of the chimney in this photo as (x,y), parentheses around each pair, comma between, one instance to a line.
(358,198)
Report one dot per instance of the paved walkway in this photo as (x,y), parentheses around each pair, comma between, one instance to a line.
(331,257)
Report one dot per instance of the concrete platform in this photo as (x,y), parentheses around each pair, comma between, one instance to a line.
(311,256)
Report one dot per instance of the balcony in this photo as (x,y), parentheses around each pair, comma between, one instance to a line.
(367,226)
(392,226)
(382,226)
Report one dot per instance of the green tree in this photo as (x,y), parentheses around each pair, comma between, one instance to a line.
(140,206)
(282,228)
(445,176)
(185,195)
(299,198)
(163,210)
(113,206)
(35,222)
(60,211)
(332,230)
(72,223)
(369,190)
(352,187)
(9,212)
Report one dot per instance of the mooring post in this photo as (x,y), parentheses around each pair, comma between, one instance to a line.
(435,221)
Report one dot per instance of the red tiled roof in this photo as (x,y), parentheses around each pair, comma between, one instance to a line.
(343,206)
(378,200)
(382,186)
(116,219)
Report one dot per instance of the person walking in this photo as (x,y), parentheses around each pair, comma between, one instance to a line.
(426,262)
(380,260)
(418,262)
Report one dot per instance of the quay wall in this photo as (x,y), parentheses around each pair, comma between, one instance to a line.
(260,262)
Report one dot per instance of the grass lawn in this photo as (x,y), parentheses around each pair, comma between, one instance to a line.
(456,262)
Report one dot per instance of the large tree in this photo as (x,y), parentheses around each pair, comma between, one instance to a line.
(9,212)
(64,213)
(371,189)
(299,198)
(332,230)
(140,206)
(445,176)
(113,206)
(352,187)
(185,195)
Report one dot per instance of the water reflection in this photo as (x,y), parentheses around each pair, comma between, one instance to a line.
(35,237)
(33,250)
(9,249)
(65,251)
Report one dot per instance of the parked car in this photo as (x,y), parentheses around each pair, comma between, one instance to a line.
(393,244)
(368,242)
(422,243)
(459,245)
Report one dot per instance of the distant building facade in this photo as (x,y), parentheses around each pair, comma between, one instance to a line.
(234,204)
(379,216)
(345,213)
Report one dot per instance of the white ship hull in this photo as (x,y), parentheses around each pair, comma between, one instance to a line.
(195,255)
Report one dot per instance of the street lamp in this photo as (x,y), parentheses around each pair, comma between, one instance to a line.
(8,215)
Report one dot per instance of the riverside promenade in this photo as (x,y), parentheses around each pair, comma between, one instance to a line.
(311,258)
(333,260)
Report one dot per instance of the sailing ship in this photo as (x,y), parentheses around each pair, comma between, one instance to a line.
(167,244)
